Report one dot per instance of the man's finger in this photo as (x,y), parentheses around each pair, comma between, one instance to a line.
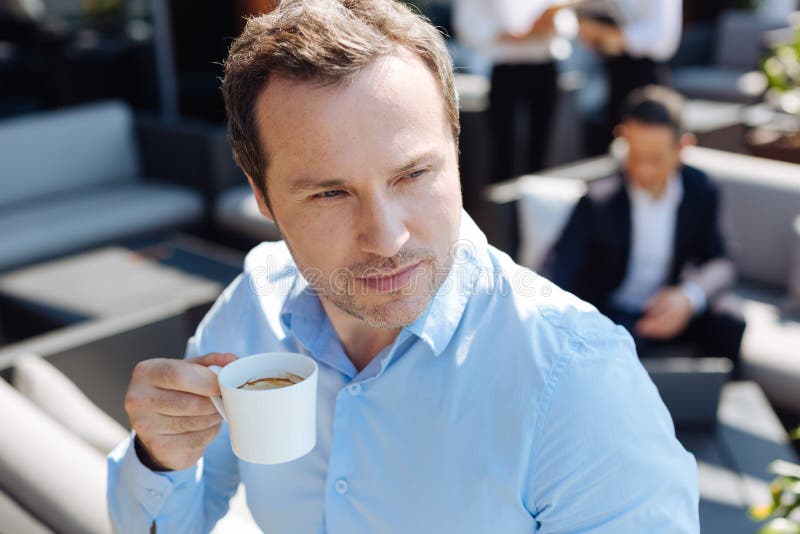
(168,425)
(214,358)
(181,375)
(179,403)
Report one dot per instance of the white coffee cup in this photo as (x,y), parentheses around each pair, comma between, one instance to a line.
(269,426)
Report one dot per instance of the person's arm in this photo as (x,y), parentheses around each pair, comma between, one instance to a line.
(605,458)
(715,271)
(566,262)
(143,493)
(657,33)
(483,23)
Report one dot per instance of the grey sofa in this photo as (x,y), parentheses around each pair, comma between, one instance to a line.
(761,204)
(740,41)
(78,177)
(62,396)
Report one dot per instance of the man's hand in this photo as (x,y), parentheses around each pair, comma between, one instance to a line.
(666,314)
(169,407)
(606,38)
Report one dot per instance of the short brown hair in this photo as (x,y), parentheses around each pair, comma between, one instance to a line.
(325,42)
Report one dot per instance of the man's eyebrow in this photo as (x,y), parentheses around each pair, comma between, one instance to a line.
(307,184)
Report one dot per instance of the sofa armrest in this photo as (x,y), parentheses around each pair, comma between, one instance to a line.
(191,153)
(793,282)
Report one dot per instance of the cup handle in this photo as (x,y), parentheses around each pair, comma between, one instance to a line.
(217,401)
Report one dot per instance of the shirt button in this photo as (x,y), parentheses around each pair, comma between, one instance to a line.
(154,493)
(341,486)
(354,389)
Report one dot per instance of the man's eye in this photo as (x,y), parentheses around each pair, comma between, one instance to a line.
(325,195)
(416,174)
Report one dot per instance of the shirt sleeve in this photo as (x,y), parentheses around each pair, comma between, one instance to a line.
(479,23)
(657,33)
(189,500)
(605,457)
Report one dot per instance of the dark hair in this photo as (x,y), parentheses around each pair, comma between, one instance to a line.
(323,41)
(655,105)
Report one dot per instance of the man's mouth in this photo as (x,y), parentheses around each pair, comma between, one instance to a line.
(391,280)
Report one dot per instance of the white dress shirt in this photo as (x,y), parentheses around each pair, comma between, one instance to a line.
(650,28)
(652,239)
(479,24)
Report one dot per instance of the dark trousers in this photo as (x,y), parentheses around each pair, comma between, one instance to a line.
(625,73)
(717,333)
(522,96)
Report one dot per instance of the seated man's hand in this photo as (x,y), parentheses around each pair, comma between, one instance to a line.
(543,26)
(168,404)
(666,314)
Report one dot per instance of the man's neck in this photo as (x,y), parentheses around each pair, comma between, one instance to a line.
(360,341)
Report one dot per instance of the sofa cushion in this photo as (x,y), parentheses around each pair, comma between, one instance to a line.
(770,346)
(50,471)
(16,519)
(37,231)
(55,394)
(55,151)
(237,210)
(545,204)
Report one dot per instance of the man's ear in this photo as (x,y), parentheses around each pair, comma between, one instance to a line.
(687,139)
(619,130)
(263,207)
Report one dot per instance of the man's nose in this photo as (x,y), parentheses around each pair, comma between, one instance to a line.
(382,228)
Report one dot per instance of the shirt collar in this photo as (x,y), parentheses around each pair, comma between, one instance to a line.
(672,195)
(437,324)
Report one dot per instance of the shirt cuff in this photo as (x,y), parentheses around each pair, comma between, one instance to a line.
(696,296)
(150,488)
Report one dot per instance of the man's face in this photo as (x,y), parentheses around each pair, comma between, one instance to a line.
(653,154)
(363,181)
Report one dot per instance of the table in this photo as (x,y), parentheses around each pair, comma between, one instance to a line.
(732,458)
(113,281)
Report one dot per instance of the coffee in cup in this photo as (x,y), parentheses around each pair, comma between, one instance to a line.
(280,380)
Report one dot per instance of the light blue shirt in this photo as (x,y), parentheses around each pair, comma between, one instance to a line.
(508,406)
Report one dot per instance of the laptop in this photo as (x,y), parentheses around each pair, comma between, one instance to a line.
(690,387)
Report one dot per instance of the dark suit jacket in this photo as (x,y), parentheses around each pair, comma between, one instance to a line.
(591,256)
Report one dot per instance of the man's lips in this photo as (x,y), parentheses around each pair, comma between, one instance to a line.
(393,279)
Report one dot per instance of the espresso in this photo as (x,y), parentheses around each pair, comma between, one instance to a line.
(272,382)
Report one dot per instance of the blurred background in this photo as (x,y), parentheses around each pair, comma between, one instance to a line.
(123,216)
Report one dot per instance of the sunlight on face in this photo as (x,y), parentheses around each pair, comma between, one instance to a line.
(653,155)
(363,180)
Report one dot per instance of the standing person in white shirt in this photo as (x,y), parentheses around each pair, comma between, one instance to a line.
(645,245)
(635,39)
(523,40)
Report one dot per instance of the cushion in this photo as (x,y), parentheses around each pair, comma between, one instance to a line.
(50,471)
(769,348)
(35,231)
(16,519)
(237,210)
(56,395)
(544,207)
(55,151)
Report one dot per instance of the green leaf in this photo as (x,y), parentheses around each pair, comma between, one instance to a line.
(780,526)
(794,435)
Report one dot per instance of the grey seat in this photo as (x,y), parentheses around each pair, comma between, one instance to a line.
(740,42)
(36,230)
(74,178)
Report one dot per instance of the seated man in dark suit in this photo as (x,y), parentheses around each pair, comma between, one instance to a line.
(645,246)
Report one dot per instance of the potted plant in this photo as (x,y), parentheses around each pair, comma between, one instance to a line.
(784,510)
(781,68)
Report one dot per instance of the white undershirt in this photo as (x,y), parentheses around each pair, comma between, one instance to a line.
(652,238)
